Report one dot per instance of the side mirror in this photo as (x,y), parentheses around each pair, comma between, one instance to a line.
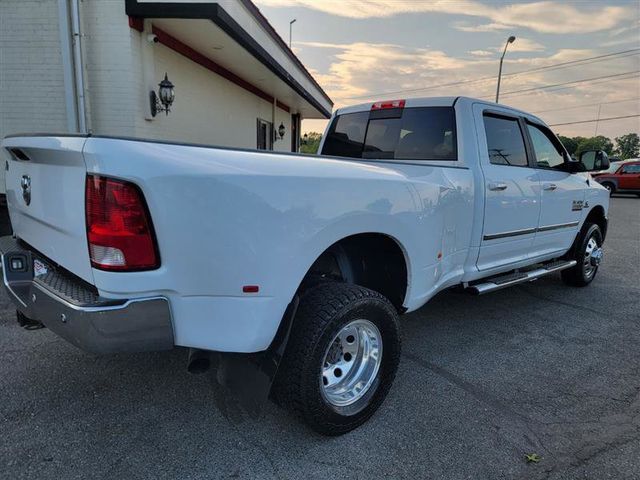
(594,160)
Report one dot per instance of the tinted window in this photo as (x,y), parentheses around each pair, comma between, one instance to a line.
(505,141)
(346,135)
(426,133)
(548,153)
(631,168)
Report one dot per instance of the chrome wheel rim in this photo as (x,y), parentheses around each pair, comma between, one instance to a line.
(351,363)
(592,258)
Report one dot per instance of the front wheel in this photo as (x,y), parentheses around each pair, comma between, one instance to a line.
(588,255)
(609,186)
(341,358)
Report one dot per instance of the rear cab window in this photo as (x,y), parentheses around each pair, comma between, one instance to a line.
(505,141)
(414,133)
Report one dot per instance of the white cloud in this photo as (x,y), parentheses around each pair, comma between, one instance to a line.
(523,45)
(482,53)
(360,68)
(544,16)
(487,27)
(361,72)
(520,45)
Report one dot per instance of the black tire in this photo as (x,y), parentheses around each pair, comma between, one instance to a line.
(323,312)
(578,276)
(609,186)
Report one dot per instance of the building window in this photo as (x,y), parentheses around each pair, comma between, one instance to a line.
(265,135)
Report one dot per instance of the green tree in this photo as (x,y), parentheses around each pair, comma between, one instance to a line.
(571,144)
(312,143)
(628,146)
(595,143)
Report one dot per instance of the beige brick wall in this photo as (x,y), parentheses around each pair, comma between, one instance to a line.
(208,108)
(31,74)
(110,72)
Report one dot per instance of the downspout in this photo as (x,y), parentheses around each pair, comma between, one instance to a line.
(77,66)
(67,66)
(148,66)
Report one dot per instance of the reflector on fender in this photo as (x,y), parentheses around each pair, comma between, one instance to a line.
(388,104)
(119,229)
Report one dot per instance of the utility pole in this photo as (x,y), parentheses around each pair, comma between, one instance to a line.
(511,39)
(595,134)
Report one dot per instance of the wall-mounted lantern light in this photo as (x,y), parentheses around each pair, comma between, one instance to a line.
(164,99)
(279,134)
(305,139)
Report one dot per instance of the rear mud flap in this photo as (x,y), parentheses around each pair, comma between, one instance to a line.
(242,382)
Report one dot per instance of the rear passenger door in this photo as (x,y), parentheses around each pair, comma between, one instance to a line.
(562,193)
(512,189)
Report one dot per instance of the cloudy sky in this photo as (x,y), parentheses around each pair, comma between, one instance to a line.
(365,50)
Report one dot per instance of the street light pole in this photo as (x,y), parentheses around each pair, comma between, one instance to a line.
(511,39)
(290,30)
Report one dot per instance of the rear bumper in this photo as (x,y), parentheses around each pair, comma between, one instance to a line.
(74,310)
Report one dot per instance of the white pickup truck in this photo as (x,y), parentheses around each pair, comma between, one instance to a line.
(295,267)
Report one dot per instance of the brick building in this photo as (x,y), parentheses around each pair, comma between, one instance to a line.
(90,66)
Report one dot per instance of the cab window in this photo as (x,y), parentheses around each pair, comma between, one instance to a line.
(414,133)
(346,135)
(505,141)
(548,152)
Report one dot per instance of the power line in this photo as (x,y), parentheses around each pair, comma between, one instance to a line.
(589,60)
(594,120)
(584,105)
(598,58)
(571,86)
(574,82)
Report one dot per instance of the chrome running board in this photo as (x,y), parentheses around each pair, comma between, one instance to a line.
(510,279)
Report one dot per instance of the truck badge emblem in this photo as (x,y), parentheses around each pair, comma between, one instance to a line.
(25,183)
(577,205)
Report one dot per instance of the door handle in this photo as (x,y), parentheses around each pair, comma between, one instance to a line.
(497,186)
(549,186)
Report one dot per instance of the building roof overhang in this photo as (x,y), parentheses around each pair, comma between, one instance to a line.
(236,37)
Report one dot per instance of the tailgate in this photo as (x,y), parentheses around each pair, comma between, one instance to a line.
(45,182)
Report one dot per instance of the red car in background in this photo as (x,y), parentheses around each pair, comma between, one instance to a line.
(626,179)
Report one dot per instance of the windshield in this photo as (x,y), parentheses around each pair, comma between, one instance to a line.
(426,133)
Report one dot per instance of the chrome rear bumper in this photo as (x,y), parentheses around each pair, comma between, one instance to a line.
(73,309)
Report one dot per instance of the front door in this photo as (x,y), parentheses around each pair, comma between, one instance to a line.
(265,135)
(512,190)
(562,193)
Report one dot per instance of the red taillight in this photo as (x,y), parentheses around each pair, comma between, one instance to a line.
(388,104)
(119,229)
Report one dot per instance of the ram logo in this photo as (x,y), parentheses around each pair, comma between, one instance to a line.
(577,205)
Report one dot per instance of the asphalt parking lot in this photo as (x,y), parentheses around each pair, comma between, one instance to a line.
(541,368)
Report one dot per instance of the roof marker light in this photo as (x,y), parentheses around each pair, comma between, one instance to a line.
(388,104)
